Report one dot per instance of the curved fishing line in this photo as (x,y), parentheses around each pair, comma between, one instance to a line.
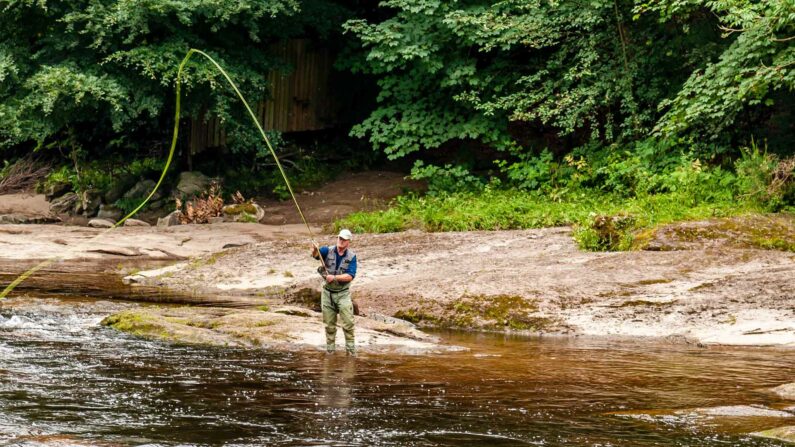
(21,278)
(261,132)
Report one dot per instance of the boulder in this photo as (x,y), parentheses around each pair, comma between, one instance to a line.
(64,204)
(56,189)
(135,223)
(109,212)
(158,204)
(192,183)
(120,186)
(101,223)
(90,200)
(243,212)
(142,189)
(169,220)
(215,219)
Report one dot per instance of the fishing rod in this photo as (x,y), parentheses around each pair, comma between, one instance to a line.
(21,278)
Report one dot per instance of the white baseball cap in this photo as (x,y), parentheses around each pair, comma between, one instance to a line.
(345,234)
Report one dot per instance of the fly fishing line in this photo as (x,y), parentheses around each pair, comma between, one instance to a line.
(171,151)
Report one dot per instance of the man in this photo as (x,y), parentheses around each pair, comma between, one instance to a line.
(340,262)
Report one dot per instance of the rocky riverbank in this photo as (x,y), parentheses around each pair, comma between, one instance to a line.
(720,289)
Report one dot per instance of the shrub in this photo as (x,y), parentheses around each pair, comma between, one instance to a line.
(21,175)
(199,210)
(447,179)
(765,178)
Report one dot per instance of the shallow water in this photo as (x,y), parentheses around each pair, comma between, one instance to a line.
(66,380)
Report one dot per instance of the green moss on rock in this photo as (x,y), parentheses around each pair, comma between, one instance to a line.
(483,312)
(241,208)
(138,324)
(786,433)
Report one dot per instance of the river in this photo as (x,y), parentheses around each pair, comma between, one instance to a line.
(66,380)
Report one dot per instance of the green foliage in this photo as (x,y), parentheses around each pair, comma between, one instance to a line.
(105,174)
(765,178)
(759,60)
(105,68)
(530,172)
(447,179)
(607,196)
(465,70)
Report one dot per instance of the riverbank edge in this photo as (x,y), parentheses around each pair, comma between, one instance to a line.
(697,290)
(511,311)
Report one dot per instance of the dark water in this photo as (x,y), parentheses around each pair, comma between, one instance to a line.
(66,380)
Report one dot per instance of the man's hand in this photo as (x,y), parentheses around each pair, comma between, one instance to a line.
(315,249)
(330,278)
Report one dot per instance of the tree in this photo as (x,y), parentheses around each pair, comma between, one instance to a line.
(465,69)
(94,73)
(758,61)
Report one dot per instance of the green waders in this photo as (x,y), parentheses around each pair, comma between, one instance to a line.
(333,303)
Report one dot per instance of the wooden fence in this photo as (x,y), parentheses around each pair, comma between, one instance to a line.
(299,100)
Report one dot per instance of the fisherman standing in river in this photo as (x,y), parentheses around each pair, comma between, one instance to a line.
(339,271)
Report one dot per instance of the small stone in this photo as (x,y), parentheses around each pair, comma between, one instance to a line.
(235,245)
(119,251)
(132,279)
(135,223)
(101,223)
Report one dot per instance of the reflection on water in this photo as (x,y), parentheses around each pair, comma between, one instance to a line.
(64,379)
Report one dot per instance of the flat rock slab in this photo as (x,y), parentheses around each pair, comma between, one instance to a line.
(735,419)
(738,411)
(136,223)
(781,433)
(786,391)
(119,251)
(283,328)
(706,413)
(27,219)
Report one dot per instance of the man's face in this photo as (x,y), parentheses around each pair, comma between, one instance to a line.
(342,244)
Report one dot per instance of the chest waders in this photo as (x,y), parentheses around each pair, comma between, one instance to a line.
(335,300)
